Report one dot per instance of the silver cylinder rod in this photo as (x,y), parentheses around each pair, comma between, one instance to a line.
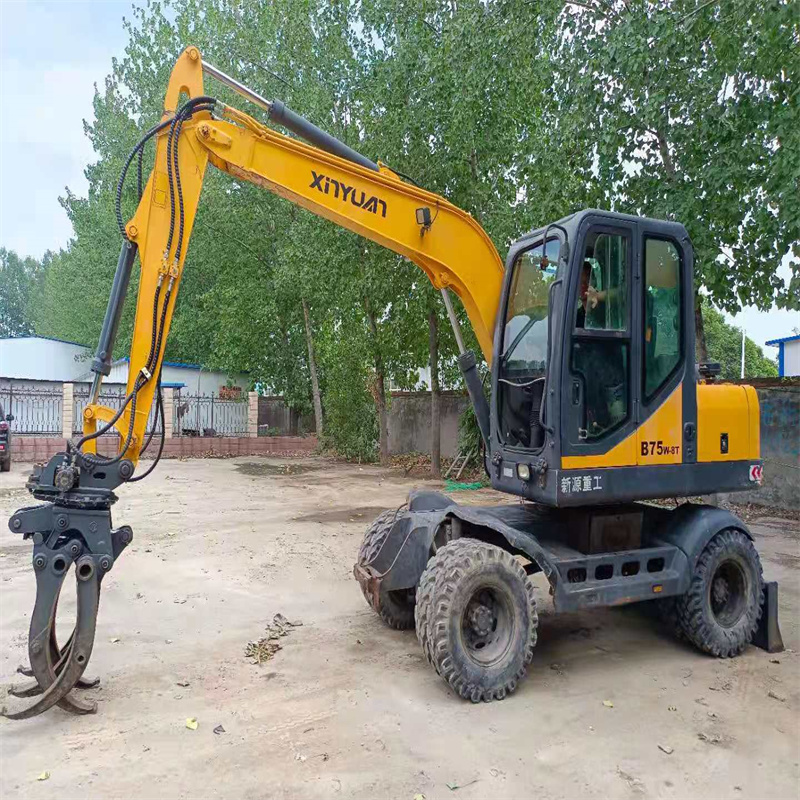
(281,114)
(448,304)
(237,87)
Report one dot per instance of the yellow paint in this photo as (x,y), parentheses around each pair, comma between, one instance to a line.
(725,408)
(455,252)
(659,437)
(664,425)
(622,455)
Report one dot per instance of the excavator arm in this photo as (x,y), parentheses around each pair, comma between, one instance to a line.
(345,188)
(73,526)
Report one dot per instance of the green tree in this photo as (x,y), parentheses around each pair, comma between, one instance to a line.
(688,110)
(20,280)
(724,343)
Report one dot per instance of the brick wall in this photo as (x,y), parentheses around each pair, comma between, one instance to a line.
(41,448)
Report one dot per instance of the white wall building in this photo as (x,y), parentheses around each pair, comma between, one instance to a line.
(41,359)
(37,358)
(788,355)
(33,370)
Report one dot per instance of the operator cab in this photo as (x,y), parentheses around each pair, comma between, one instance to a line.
(595,333)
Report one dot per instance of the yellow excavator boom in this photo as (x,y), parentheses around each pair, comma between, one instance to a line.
(443,240)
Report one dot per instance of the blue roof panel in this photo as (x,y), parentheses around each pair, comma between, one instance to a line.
(776,342)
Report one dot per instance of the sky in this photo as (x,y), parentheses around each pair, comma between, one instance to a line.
(51,56)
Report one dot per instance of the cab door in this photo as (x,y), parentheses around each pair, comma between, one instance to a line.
(599,390)
(666,433)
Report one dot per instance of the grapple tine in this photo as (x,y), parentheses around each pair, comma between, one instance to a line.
(46,659)
(29,689)
(59,657)
(80,649)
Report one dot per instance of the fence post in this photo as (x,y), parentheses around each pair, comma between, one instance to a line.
(252,414)
(169,411)
(67,409)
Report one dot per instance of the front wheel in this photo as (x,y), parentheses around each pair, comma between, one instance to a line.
(720,611)
(396,608)
(477,619)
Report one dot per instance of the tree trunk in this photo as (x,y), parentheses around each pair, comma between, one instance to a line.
(380,391)
(436,424)
(312,366)
(699,330)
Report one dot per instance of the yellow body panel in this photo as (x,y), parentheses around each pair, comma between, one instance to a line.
(659,437)
(662,430)
(725,408)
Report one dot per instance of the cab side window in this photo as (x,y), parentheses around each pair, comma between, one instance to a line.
(603,292)
(662,313)
(600,360)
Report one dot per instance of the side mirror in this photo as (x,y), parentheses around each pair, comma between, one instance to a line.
(9,417)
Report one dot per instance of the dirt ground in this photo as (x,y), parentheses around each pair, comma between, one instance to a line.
(349,708)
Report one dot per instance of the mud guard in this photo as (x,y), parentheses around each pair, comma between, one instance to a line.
(691,526)
(405,554)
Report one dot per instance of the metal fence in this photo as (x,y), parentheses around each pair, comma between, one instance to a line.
(111,396)
(210,415)
(36,410)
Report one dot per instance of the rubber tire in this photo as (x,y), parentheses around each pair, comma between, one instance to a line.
(423,605)
(446,586)
(693,609)
(5,466)
(394,609)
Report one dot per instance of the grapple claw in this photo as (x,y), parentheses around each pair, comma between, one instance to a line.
(76,656)
(64,536)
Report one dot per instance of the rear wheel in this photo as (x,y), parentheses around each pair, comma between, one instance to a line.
(477,620)
(396,608)
(5,466)
(720,611)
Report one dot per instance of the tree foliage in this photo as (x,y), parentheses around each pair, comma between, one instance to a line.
(725,347)
(688,110)
(20,281)
(518,111)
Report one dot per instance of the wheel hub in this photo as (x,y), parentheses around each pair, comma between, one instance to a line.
(487,625)
(482,619)
(728,593)
(720,591)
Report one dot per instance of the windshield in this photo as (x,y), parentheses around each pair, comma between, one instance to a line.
(523,363)
(525,335)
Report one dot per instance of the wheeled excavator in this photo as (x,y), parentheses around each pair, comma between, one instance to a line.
(595,406)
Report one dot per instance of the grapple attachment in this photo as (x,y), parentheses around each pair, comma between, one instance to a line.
(72,530)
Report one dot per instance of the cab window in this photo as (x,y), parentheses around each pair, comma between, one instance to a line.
(600,360)
(525,333)
(662,313)
(524,354)
(602,302)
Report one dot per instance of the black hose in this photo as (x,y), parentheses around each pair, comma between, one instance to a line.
(120,184)
(161,442)
(152,432)
(202,103)
(102,461)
